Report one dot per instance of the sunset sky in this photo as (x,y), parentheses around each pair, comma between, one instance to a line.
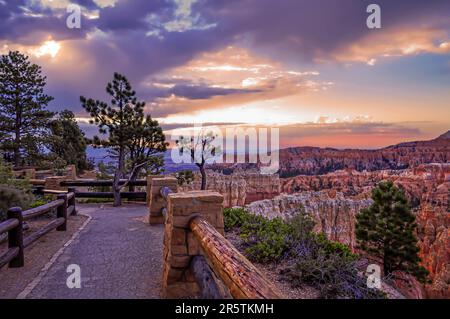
(311,68)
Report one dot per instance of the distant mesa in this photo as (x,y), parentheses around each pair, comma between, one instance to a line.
(317,161)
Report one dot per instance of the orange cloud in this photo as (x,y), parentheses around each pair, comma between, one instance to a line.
(243,78)
(397,43)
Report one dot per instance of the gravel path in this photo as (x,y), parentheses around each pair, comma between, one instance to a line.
(119,254)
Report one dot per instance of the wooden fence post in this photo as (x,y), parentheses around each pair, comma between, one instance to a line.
(61,211)
(72,200)
(15,237)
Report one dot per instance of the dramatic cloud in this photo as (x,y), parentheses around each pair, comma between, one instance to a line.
(395,44)
(314,30)
(227,78)
(235,60)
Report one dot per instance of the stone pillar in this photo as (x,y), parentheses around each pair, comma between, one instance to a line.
(148,189)
(156,201)
(53,183)
(179,243)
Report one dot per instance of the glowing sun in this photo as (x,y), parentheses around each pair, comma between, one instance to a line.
(50,47)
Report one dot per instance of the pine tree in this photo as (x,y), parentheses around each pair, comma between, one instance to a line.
(23,117)
(146,147)
(125,123)
(386,230)
(68,141)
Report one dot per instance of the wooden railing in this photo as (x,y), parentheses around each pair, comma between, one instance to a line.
(89,182)
(14,256)
(40,189)
(239,275)
(105,183)
(195,247)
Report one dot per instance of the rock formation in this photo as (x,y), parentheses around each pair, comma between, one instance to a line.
(240,188)
(318,161)
(333,213)
(334,185)
(335,198)
(314,160)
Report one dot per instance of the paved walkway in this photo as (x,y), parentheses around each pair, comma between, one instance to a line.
(120,256)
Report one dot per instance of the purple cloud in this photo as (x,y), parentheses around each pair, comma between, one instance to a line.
(133,37)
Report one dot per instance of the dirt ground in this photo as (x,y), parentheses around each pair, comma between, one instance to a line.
(14,280)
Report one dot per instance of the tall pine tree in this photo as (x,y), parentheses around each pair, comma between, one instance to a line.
(23,117)
(386,230)
(125,123)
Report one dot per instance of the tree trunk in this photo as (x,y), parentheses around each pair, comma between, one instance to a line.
(133,177)
(16,152)
(117,177)
(17,137)
(203,173)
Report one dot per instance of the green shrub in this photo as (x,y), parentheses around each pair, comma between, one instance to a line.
(332,273)
(7,177)
(302,225)
(267,240)
(10,197)
(312,259)
(234,217)
(185,177)
(333,247)
(38,202)
(59,166)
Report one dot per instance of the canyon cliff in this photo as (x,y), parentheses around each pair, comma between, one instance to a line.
(240,188)
(334,185)
(317,161)
(307,160)
(341,194)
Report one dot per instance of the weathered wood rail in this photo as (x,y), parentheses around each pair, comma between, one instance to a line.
(14,255)
(89,182)
(240,276)
(198,259)
(72,184)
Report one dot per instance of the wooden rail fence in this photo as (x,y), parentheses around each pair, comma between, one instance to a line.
(198,259)
(72,184)
(105,183)
(14,256)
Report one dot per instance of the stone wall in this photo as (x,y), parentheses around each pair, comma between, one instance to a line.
(179,243)
(52,183)
(155,201)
